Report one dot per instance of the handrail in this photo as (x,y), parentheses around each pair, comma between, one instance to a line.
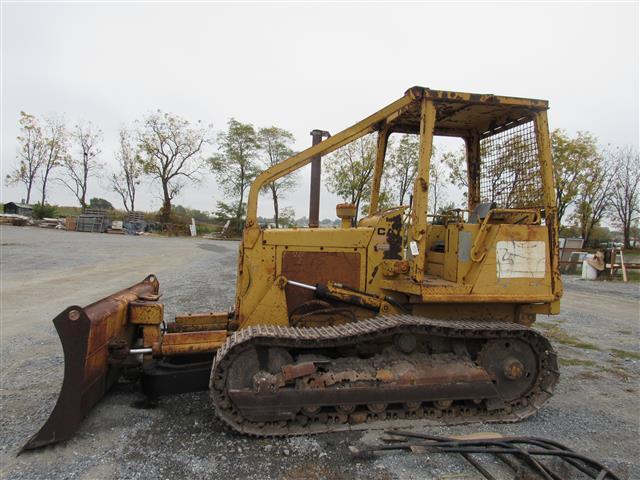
(346,136)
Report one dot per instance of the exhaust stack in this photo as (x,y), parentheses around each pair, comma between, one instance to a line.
(316,172)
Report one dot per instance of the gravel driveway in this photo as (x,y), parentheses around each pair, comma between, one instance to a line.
(595,409)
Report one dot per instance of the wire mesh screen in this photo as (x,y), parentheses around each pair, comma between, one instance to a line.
(510,173)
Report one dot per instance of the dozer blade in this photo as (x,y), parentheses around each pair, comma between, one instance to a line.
(86,335)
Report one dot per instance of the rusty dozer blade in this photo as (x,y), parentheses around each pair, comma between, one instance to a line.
(89,370)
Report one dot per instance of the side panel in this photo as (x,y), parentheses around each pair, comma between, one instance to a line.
(310,256)
(318,267)
(255,278)
(516,263)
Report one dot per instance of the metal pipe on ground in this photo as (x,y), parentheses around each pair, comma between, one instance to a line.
(516,452)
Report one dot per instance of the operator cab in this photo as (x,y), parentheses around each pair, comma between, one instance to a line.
(504,171)
(500,250)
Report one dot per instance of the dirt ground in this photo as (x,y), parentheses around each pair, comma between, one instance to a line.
(595,409)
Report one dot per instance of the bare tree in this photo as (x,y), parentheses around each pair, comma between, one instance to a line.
(437,181)
(55,144)
(275,144)
(78,169)
(171,153)
(125,181)
(625,195)
(30,154)
(594,195)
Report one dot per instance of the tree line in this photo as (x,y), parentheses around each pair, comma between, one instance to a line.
(45,148)
(163,148)
(592,183)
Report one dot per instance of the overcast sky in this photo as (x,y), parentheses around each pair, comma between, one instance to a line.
(302,67)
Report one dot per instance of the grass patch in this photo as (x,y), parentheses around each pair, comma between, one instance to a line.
(618,372)
(633,276)
(576,362)
(589,376)
(626,354)
(545,325)
(556,333)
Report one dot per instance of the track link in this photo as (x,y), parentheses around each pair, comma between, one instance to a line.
(372,330)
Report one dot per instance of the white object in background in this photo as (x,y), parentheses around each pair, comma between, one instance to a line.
(192,228)
(116,225)
(588,272)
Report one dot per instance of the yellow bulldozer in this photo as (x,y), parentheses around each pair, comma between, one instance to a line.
(401,315)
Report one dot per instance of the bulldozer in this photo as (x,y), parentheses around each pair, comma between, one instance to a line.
(402,315)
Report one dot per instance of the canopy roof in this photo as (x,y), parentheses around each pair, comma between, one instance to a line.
(462,114)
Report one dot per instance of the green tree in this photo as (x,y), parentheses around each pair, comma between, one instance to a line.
(235,166)
(303,221)
(41,211)
(287,218)
(189,213)
(593,199)
(171,152)
(275,146)
(100,203)
(625,197)
(349,171)
(385,198)
(225,211)
(80,168)
(404,165)
(30,154)
(599,235)
(572,159)
(447,208)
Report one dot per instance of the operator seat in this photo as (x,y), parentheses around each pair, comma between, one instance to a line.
(481,211)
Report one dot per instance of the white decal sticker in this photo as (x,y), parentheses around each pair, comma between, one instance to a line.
(516,259)
(414,248)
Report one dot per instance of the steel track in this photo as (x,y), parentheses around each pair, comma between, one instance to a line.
(371,330)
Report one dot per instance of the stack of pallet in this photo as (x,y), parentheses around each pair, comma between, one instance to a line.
(14,219)
(135,223)
(71,223)
(93,220)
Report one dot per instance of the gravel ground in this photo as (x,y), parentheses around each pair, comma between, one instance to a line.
(595,409)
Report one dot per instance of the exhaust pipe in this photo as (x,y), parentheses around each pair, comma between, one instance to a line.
(316,173)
